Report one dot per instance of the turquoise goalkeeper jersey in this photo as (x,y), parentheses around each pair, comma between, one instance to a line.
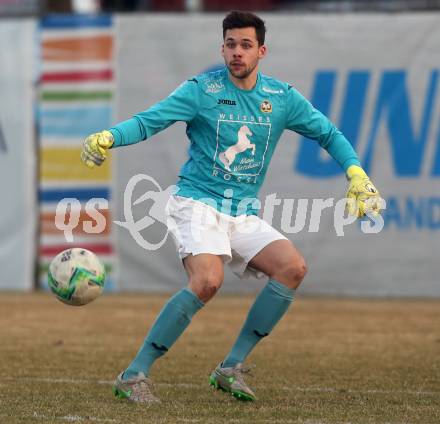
(233,135)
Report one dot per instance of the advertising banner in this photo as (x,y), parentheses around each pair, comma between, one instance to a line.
(75,100)
(17,156)
(376,76)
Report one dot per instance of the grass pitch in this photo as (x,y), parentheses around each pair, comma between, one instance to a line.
(329,361)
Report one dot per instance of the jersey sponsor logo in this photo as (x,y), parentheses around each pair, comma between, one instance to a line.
(226,102)
(244,118)
(272,91)
(241,149)
(266,107)
(215,87)
(243,143)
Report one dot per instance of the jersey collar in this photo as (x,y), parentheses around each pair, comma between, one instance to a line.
(241,90)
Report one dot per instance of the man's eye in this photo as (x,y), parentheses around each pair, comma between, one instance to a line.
(230,45)
(246,46)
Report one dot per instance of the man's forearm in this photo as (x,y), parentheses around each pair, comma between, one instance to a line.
(128,132)
(340,149)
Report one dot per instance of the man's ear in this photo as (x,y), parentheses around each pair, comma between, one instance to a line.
(262,51)
(223,50)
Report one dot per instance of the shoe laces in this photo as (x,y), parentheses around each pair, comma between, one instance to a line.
(240,371)
(144,387)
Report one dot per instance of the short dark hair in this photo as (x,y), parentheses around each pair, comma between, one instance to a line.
(239,19)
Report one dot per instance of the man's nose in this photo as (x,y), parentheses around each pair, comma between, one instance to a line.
(237,52)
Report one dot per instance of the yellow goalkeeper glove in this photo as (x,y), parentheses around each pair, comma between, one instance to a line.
(362,196)
(95,148)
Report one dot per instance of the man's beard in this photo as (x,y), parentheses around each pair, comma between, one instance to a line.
(243,74)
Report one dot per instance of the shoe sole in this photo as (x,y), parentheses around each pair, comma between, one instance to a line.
(238,394)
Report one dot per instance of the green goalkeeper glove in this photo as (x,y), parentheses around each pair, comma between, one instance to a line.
(362,196)
(95,148)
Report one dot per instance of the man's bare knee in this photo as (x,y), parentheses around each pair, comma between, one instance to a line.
(292,274)
(206,287)
(205,274)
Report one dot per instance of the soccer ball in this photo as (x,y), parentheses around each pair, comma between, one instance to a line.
(76,276)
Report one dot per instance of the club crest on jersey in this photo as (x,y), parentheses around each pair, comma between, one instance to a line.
(266,107)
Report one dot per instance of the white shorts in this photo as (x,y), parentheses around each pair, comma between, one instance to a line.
(199,228)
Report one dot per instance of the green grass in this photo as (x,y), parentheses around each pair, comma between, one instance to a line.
(329,361)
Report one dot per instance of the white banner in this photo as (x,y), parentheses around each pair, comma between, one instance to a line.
(18,209)
(376,76)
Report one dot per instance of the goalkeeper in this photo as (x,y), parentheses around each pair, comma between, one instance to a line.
(235,117)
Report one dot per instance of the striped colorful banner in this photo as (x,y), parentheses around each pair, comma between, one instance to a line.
(55,195)
(75,100)
(77,76)
(62,163)
(64,22)
(48,226)
(74,121)
(72,96)
(98,47)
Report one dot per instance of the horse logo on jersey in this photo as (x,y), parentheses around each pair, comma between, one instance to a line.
(266,107)
(228,156)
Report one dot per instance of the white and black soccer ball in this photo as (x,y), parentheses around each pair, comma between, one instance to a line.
(76,276)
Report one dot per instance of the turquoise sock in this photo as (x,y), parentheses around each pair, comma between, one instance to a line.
(171,322)
(268,308)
